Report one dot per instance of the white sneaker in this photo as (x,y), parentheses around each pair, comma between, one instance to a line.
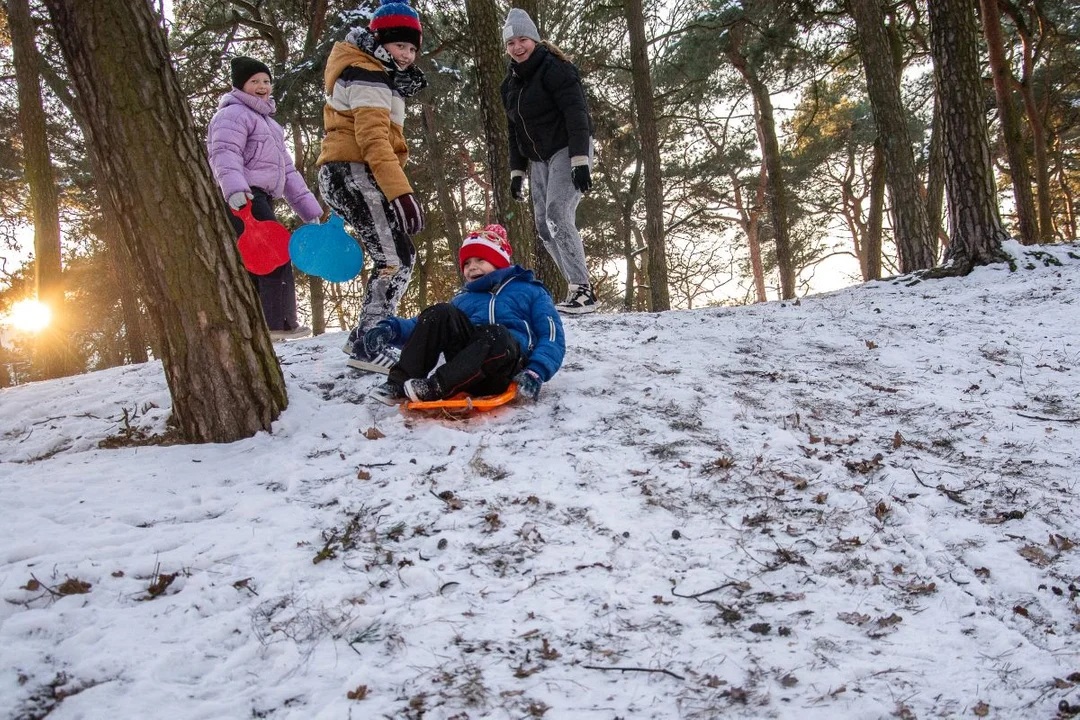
(580,300)
(297,332)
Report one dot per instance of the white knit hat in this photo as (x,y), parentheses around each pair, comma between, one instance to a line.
(519,24)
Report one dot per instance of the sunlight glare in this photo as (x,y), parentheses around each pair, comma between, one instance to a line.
(30,316)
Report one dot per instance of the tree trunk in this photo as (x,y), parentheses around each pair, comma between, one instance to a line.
(871,250)
(645,123)
(770,150)
(52,343)
(914,241)
(750,219)
(317,293)
(1038,127)
(220,366)
(1011,133)
(125,280)
(975,232)
(935,175)
(447,207)
(485,30)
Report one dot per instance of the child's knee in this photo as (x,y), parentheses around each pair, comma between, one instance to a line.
(389,271)
(437,310)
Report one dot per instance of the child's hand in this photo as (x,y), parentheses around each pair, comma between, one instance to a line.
(581,177)
(377,338)
(517,190)
(528,384)
(239,199)
(408,213)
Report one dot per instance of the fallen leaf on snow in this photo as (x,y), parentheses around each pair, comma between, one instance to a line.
(853,618)
(1035,555)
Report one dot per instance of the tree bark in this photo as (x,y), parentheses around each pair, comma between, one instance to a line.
(51,345)
(770,150)
(447,207)
(485,29)
(648,137)
(1011,133)
(975,232)
(125,280)
(1038,127)
(221,370)
(935,175)
(871,250)
(914,241)
(750,219)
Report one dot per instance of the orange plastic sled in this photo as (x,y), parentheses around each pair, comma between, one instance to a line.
(464,404)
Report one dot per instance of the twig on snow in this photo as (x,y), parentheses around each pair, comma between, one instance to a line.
(953,495)
(1049,419)
(635,669)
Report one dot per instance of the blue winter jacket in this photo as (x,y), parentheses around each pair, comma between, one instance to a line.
(513,298)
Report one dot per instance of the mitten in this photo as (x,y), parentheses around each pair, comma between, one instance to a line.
(408,213)
(377,338)
(516,190)
(581,177)
(528,383)
(239,199)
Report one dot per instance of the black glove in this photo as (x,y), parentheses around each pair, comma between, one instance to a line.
(528,383)
(408,213)
(581,177)
(516,190)
(377,338)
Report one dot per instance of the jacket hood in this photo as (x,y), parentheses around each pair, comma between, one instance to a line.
(342,56)
(239,97)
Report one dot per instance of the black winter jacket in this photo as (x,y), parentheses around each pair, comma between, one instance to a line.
(545,104)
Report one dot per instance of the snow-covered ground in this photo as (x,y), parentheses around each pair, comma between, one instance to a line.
(860,505)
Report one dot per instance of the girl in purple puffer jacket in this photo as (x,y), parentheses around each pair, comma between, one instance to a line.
(251,164)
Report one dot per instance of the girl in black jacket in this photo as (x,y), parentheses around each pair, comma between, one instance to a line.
(551,135)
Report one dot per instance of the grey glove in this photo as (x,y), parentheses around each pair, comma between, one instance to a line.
(528,383)
(239,199)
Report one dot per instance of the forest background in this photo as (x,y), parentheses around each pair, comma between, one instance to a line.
(740,148)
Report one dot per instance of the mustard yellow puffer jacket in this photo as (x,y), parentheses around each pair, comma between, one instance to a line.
(363,118)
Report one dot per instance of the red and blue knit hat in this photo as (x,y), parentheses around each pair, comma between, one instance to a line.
(395,21)
(488,244)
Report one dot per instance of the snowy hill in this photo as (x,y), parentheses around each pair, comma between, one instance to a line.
(863,505)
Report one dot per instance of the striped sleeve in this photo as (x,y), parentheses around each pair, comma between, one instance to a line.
(366,95)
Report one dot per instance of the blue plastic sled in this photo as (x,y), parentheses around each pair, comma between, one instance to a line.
(326,250)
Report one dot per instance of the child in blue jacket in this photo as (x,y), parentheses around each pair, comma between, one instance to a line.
(501,327)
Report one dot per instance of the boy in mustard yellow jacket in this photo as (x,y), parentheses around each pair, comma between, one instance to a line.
(362,163)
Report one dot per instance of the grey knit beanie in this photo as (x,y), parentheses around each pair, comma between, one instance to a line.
(519,24)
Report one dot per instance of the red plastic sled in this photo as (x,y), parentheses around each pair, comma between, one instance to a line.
(463,404)
(264,244)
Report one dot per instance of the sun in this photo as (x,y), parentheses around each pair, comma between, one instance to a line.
(30,316)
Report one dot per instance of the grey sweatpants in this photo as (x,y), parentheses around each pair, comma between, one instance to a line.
(350,191)
(555,201)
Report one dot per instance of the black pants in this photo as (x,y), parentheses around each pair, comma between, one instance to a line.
(481,360)
(277,291)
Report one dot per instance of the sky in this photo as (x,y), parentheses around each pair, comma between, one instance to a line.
(858,505)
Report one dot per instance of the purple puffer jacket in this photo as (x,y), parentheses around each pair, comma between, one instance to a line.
(247,149)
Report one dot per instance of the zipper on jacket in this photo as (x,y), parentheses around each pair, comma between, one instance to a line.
(523,127)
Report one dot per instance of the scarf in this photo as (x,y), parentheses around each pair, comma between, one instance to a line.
(407,82)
